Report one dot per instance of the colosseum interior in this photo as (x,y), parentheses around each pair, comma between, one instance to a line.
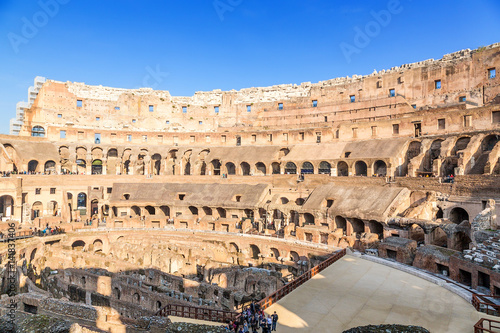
(128,200)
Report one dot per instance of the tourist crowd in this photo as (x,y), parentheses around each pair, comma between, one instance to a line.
(252,319)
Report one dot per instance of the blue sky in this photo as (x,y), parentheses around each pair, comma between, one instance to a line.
(200,45)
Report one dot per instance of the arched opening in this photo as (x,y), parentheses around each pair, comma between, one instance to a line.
(165,210)
(222,212)
(458,215)
(32,166)
(216,167)
(98,246)
(52,208)
(439,237)
(284,200)
(193,210)
(78,245)
(361,169)
(274,253)
(94,207)
(490,142)
(207,210)
(135,211)
(294,256)
(461,241)
(261,168)
(150,209)
(433,154)
(290,168)
(6,206)
(112,153)
(50,167)
(324,168)
(203,169)
(342,169)
(136,298)
(81,202)
(276,168)
(376,227)
(417,233)
(187,169)
(358,227)
(380,168)
(254,251)
(36,210)
(307,168)
(439,213)
(158,305)
(308,218)
(81,166)
(38,131)
(245,169)
(156,158)
(461,144)
(97,167)
(233,248)
(231,168)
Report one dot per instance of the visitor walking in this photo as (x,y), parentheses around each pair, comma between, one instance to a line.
(274,317)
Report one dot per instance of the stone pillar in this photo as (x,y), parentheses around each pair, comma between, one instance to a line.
(104,166)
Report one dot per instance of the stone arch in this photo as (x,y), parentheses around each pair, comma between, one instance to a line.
(276,167)
(207,210)
(156,161)
(358,226)
(380,168)
(33,255)
(78,245)
(52,208)
(98,245)
(360,168)
(165,210)
(32,166)
(135,211)
(49,167)
(290,168)
(307,168)
(324,168)
(6,206)
(245,168)
(158,305)
(193,210)
(274,252)
(254,251)
(230,168)
(460,144)
(151,210)
(97,167)
(341,223)
(260,168)
(36,209)
(136,298)
(490,142)
(376,227)
(417,233)
(112,153)
(221,212)
(187,169)
(433,154)
(81,201)
(308,218)
(342,169)
(81,166)
(216,167)
(233,247)
(294,217)
(294,256)
(458,215)
(284,200)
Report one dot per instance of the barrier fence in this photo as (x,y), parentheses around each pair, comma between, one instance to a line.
(485,325)
(221,316)
(483,303)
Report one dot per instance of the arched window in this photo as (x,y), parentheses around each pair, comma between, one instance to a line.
(82,200)
(38,131)
(324,168)
(307,168)
(290,168)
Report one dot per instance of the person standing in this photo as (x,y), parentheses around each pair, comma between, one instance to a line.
(274,317)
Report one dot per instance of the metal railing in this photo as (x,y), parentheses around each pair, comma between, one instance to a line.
(280,293)
(482,303)
(485,325)
(198,313)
